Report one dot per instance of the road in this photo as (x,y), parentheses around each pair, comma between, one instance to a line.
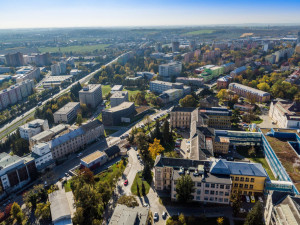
(13,125)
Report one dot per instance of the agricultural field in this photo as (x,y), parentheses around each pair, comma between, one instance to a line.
(198,32)
(75,49)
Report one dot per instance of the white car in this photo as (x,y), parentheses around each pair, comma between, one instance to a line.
(247,199)
(145,205)
(155,217)
(260,199)
(164,215)
(79,155)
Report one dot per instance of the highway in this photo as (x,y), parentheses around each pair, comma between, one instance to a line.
(13,125)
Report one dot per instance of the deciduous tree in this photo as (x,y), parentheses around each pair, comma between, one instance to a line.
(155,148)
(185,188)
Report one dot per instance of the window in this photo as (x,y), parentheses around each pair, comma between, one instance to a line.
(226,200)
(211,199)
(212,185)
(212,192)
(246,185)
(227,186)
(236,185)
(198,192)
(198,198)
(199,184)
(206,192)
(221,193)
(245,192)
(174,195)
(247,179)
(205,198)
(241,186)
(252,180)
(217,192)
(242,179)
(220,199)
(222,186)
(207,185)
(226,193)
(251,186)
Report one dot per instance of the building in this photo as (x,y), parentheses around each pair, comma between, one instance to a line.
(15,59)
(249,92)
(244,107)
(15,93)
(75,72)
(211,55)
(282,208)
(58,68)
(209,101)
(114,115)
(66,113)
(286,114)
(60,208)
(175,46)
(56,80)
(198,82)
(33,128)
(29,73)
(283,54)
(91,95)
(15,172)
(116,88)
(42,156)
(146,75)
(94,160)
(192,45)
(188,57)
(215,117)
(162,86)
(4,69)
(238,71)
(181,116)
(169,70)
(171,95)
(47,135)
(223,82)
(247,178)
(130,215)
(118,97)
(158,47)
(76,139)
(112,152)
(228,67)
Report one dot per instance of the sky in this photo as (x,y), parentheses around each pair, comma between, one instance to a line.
(142,13)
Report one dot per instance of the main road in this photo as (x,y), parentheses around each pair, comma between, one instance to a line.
(13,125)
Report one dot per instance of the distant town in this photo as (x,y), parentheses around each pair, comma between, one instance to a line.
(150,126)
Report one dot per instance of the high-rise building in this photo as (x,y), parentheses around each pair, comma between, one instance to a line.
(173,69)
(15,59)
(175,46)
(192,45)
(91,95)
(158,47)
(298,39)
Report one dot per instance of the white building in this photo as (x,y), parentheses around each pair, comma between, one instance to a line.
(32,128)
(172,69)
(285,114)
(43,155)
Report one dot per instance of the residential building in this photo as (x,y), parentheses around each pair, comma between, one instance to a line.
(58,68)
(223,82)
(130,215)
(147,75)
(171,95)
(188,57)
(118,97)
(169,70)
(116,88)
(32,128)
(209,101)
(66,113)
(76,139)
(181,116)
(228,67)
(4,69)
(28,73)
(15,172)
(244,107)
(114,116)
(75,72)
(161,86)
(158,47)
(112,152)
(15,59)
(286,114)
(249,92)
(94,160)
(198,82)
(211,55)
(238,71)
(175,46)
(247,178)
(283,54)
(56,80)
(215,117)
(282,208)
(91,95)
(192,45)
(42,156)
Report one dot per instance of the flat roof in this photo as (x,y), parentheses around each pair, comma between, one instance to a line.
(117,88)
(92,157)
(6,160)
(119,94)
(59,206)
(67,108)
(123,105)
(90,88)
(51,79)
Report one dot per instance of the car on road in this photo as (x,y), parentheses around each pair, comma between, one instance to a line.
(164,215)
(145,205)
(247,199)
(252,199)
(155,217)
(79,155)
(126,182)
(66,174)
(260,199)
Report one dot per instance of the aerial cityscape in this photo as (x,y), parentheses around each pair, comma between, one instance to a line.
(150,112)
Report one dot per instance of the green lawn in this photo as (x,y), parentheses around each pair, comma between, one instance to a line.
(109,132)
(198,32)
(67,186)
(190,220)
(257,121)
(108,175)
(105,89)
(131,92)
(138,180)
(75,48)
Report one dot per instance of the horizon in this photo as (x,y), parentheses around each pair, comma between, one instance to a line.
(133,13)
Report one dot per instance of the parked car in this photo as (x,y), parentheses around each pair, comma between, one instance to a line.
(242,210)
(247,199)
(145,205)
(260,199)
(126,182)
(79,155)
(155,217)
(66,174)
(164,215)
(252,199)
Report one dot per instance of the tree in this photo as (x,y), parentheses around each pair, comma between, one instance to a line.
(155,148)
(264,87)
(236,202)
(147,175)
(20,147)
(157,133)
(220,220)
(78,218)
(129,201)
(34,195)
(49,116)
(184,188)
(235,119)
(255,216)
(188,101)
(79,119)
(43,211)
(166,134)
(17,213)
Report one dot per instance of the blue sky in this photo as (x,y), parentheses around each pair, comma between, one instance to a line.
(106,13)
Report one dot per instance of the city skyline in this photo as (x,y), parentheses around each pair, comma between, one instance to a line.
(116,13)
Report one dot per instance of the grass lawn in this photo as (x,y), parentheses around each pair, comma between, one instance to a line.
(198,220)
(67,186)
(259,159)
(198,32)
(108,174)
(109,132)
(105,89)
(75,48)
(138,180)
(131,92)
(257,121)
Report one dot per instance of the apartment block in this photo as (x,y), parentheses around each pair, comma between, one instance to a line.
(249,92)
(33,128)
(58,68)
(215,117)
(118,97)
(181,116)
(169,70)
(198,82)
(67,113)
(91,95)
(30,74)
(15,59)
(114,115)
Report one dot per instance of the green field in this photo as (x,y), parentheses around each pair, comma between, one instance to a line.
(131,92)
(198,32)
(105,89)
(138,180)
(75,48)
(67,186)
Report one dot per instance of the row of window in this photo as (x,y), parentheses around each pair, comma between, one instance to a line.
(244,179)
(212,199)
(243,186)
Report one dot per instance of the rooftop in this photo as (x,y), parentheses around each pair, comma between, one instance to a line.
(59,206)
(6,160)
(111,151)
(122,106)
(119,94)
(92,157)
(162,161)
(250,89)
(67,108)
(117,88)
(33,124)
(90,88)
(183,109)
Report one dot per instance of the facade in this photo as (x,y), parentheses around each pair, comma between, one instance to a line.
(15,59)
(15,93)
(76,139)
(211,55)
(282,208)
(198,82)
(238,71)
(181,116)
(118,97)
(175,46)
(147,75)
(91,95)
(215,117)
(15,172)
(244,107)
(248,92)
(285,114)
(283,54)
(33,128)
(223,82)
(94,160)
(171,95)
(162,86)
(112,152)
(169,70)
(114,115)
(228,67)
(56,80)
(58,68)
(130,215)
(42,156)
(30,74)
(67,113)
(209,102)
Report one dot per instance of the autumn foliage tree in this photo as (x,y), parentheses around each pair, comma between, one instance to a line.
(155,148)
